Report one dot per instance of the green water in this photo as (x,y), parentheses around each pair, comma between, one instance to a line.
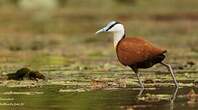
(49,98)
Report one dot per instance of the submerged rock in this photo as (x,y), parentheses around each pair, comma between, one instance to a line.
(25,73)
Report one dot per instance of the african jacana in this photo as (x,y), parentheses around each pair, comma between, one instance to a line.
(135,52)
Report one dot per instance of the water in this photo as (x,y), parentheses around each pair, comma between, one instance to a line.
(50,98)
(74,88)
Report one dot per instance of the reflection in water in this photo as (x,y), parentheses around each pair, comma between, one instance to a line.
(173,98)
(152,98)
(116,99)
(174,95)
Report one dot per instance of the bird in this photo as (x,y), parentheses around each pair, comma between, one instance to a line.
(136,52)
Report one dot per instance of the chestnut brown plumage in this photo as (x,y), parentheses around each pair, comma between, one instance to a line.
(133,50)
(136,52)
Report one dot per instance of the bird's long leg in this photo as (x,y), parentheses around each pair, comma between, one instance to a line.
(172,99)
(172,73)
(138,77)
(174,95)
(139,80)
(141,83)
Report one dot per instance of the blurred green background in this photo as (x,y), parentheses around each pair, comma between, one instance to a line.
(62,30)
(57,37)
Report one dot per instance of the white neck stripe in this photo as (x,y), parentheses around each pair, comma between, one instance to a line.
(117,37)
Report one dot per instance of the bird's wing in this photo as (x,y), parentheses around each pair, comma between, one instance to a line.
(135,50)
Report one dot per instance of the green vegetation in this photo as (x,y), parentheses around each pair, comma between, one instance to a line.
(69,29)
(60,36)
(57,38)
(63,41)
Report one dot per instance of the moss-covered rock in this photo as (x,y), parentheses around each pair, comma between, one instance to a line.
(25,73)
